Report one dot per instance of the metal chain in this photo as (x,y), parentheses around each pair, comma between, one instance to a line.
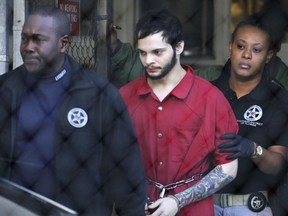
(173,185)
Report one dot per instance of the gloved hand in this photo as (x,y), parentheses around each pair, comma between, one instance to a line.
(238,145)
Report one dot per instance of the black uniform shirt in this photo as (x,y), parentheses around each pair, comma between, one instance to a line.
(262,118)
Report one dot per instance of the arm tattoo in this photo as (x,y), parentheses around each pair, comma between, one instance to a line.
(212,182)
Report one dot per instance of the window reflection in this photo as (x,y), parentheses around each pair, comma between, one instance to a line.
(207,24)
(241,9)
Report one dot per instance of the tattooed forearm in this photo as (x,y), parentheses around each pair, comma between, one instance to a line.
(207,186)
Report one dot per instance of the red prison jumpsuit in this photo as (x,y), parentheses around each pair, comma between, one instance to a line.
(179,136)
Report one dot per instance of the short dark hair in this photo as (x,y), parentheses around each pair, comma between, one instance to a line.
(61,18)
(251,21)
(162,20)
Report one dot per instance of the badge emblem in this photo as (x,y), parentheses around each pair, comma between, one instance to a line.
(257,202)
(253,113)
(77,117)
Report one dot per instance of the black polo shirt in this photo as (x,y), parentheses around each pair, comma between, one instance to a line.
(262,118)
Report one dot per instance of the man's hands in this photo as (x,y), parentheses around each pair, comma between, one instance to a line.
(166,206)
(239,146)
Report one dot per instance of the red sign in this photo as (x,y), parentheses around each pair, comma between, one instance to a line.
(72,8)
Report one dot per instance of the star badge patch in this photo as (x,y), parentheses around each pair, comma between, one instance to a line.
(77,117)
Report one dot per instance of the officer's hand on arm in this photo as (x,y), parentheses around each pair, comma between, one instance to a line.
(239,146)
(165,206)
(270,161)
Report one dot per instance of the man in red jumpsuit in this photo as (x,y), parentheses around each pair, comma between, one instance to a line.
(178,118)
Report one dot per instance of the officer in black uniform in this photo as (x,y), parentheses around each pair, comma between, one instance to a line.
(259,104)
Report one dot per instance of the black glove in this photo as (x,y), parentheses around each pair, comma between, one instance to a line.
(239,146)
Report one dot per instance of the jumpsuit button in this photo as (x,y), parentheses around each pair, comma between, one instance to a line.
(160,135)
(160,108)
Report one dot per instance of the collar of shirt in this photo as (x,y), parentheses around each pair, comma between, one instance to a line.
(261,92)
(180,91)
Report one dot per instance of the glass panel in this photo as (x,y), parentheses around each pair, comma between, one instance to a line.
(241,9)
